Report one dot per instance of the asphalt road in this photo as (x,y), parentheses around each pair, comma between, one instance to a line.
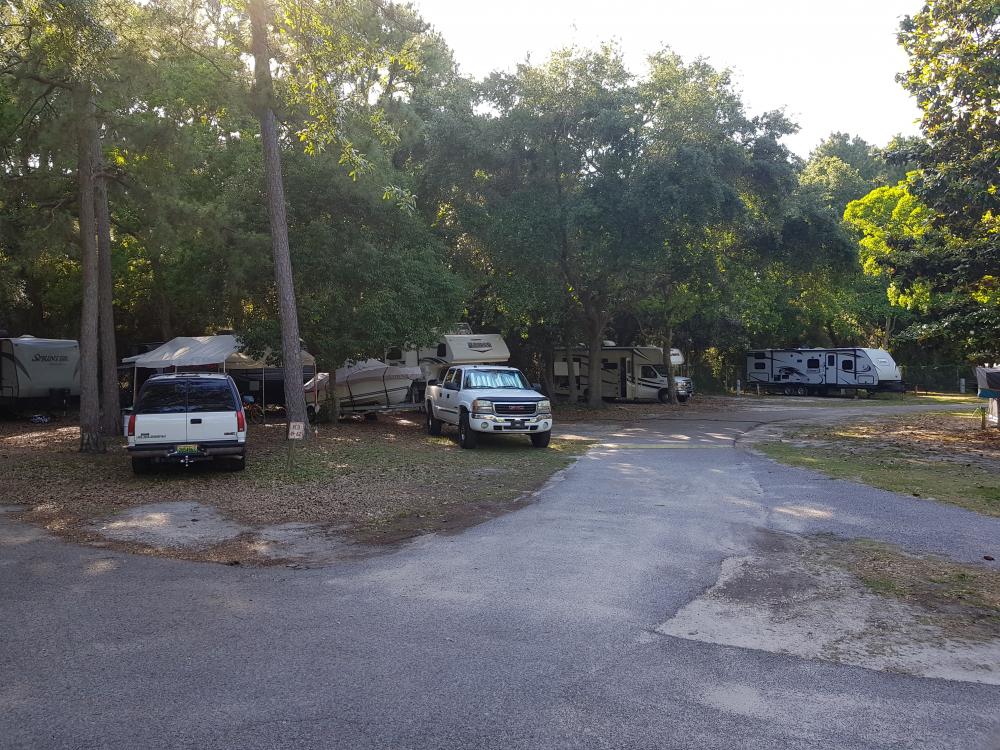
(533,630)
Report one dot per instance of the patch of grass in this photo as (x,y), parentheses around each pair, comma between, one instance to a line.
(974,487)
(926,398)
(962,596)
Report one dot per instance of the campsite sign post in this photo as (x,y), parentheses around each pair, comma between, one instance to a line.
(296,431)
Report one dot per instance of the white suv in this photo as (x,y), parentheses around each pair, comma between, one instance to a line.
(187,417)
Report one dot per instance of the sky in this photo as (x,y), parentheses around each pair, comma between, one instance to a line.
(829,64)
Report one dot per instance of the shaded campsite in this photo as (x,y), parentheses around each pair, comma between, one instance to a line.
(372,481)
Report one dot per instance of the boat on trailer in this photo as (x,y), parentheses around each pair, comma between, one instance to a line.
(363,386)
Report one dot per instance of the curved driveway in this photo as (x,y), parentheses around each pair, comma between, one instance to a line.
(533,630)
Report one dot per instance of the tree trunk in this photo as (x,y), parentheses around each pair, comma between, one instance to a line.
(596,321)
(291,347)
(548,368)
(110,406)
(573,393)
(90,408)
(668,344)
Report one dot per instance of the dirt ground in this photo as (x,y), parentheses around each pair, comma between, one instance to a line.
(627,412)
(376,482)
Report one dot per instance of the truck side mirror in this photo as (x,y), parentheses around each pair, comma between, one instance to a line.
(537,387)
(432,381)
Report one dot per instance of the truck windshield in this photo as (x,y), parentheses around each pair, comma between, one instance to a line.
(496,379)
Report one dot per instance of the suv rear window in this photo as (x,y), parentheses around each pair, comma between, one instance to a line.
(165,397)
(210,395)
(180,396)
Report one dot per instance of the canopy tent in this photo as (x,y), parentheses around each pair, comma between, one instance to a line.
(195,351)
(201,351)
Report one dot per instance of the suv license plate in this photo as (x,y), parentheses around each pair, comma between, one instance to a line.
(188,448)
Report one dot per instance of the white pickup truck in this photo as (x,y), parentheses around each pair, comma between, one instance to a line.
(487,398)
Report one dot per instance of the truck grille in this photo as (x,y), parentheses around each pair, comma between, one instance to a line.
(519,410)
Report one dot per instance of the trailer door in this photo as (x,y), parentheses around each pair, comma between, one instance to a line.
(831,369)
(846,374)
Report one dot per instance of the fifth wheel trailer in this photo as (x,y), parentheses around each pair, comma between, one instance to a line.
(38,373)
(804,372)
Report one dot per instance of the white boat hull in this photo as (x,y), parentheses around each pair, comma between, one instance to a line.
(368,383)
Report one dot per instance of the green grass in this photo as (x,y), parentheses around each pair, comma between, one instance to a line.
(972,487)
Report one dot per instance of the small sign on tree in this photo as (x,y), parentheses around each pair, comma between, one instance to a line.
(296,430)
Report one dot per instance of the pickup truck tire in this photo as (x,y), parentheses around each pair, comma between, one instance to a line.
(663,396)
(467,437)
(541,439)
(681,399)
(141,465)
(433,424)
(238,463)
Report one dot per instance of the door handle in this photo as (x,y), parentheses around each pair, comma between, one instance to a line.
(195,421)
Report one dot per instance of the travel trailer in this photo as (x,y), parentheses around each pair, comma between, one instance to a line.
(37,373)
(629,373)
(805,372)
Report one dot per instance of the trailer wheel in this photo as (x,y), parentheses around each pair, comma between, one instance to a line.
(787,390)
(433,425)
(664,395)
(467,437)
(801,391)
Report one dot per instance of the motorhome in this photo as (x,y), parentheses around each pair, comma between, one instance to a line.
(629,373)
(804,372)
(37,373)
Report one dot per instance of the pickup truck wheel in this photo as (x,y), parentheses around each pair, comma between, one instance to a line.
(238,463)
(433,425)
(467,437)
(141,465)
(541,439)
(681,399)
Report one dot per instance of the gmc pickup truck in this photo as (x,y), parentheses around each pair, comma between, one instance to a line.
(488,398)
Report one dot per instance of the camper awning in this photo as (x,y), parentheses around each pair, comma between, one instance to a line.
(988,381)
(195,351)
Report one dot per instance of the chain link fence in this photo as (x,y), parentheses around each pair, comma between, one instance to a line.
(955,378)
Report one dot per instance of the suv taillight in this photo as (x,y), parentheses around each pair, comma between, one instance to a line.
(131,425)
(241,421)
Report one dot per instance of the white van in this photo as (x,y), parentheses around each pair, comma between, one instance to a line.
(187,417)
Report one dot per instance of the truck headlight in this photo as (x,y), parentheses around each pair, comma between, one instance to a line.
(479,406)
(543,406)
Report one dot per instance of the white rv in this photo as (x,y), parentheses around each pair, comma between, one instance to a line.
(630,373)
(805,372)
(38,372)
(453,349)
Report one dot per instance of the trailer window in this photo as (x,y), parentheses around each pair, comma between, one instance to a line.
(760,365)
(609,365)
(812,363)
(759,355)
(831,360)
(847,365)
